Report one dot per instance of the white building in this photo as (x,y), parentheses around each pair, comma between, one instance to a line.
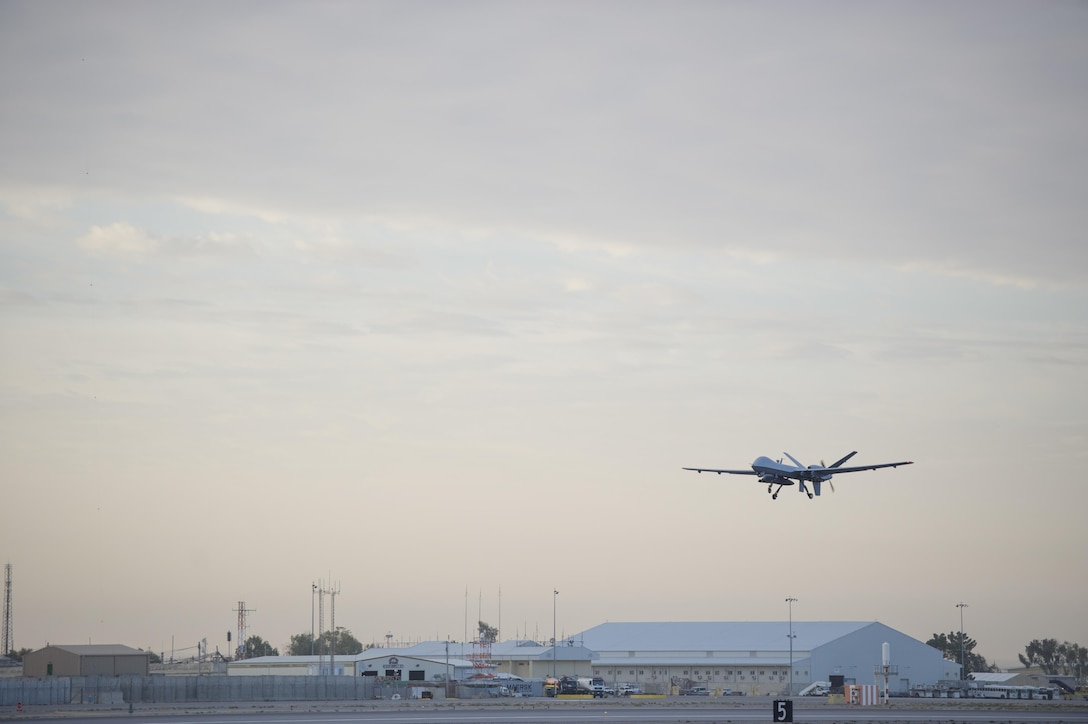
(746,657)
(383,664)
(754,657)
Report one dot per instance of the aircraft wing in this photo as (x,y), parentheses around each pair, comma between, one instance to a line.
(749,471)
(836,471)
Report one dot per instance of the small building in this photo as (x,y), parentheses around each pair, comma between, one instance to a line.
(87,660)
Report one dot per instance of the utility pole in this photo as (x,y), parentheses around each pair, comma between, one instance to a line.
(313,592)
(963,668)
(555,641)
(790,601)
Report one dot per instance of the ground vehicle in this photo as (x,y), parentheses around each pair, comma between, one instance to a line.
(695,691)
(592,685)
(582,685)
(629,689)
(816,688)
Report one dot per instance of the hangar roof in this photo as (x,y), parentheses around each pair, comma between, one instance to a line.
(99,649)
(715,635)
(366,655)
(514,648)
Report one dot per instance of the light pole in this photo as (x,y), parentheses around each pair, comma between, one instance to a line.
(790,602)
(963,669)
(555,641)
(313,591)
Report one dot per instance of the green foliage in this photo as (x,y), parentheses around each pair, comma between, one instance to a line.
(18,655)
(488,634)
(256,646)
(949,646)
(301,645)
(1065,658)
(340,642)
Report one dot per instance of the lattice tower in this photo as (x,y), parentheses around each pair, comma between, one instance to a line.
(240,651)
(8,642)
(481,655)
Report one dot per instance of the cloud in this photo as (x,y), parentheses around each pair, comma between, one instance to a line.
(123,239)
(720,126)
(119,238)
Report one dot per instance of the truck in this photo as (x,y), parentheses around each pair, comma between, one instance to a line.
(592,685)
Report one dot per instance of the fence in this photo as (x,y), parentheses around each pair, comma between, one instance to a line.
(185,689)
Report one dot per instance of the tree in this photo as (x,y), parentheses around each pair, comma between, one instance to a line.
(256,646)
(18,655)
(949,646)
(346,644)
(488,634)
(302,644)
(1054,658)
(1076,659)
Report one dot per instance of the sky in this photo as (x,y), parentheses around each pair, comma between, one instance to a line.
(431,302)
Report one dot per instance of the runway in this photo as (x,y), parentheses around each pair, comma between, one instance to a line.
(535,712)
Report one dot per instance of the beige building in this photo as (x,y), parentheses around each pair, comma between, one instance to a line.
(86,660)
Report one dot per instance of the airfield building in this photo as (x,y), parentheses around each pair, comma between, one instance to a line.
(754,657)
(86,660)
(745,657)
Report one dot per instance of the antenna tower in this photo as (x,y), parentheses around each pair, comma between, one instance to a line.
(8,643)
(242,611)
(332,592)
(332,628)
(481,655)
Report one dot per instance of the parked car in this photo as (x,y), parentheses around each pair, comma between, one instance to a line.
(695,691)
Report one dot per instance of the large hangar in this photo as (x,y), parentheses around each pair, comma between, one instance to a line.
(754,657)
(744,657)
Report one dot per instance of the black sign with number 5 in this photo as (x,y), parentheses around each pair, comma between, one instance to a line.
(783,710)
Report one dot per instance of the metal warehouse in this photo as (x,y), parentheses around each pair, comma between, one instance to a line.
(754,657)
(87,660)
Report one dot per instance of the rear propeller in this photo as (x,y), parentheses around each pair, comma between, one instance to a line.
(823,465)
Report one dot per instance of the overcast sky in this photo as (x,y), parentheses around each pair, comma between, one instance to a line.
(433,300)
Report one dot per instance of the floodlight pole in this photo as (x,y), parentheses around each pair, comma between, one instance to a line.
(555,640)
(313,591)
(790,602)
(963,667)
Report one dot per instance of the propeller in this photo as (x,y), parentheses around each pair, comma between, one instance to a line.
(824,465)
